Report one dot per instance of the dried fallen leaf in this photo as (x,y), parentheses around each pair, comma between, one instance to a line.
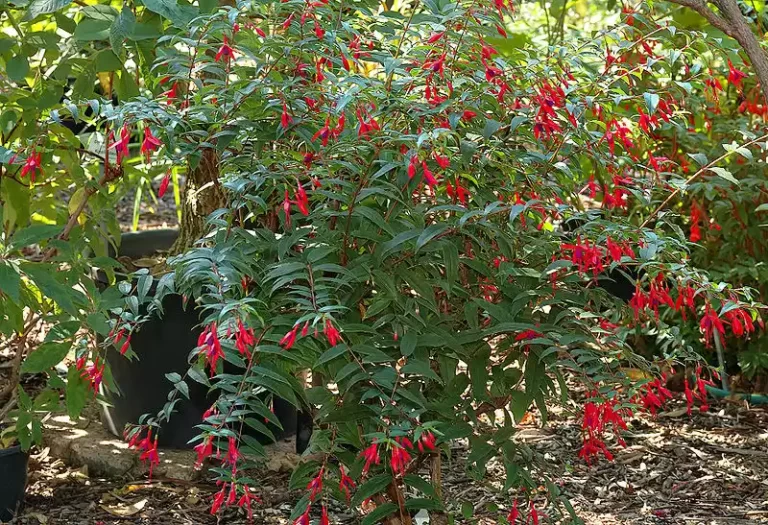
(123,511)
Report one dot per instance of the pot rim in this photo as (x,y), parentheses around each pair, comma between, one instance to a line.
(15,449)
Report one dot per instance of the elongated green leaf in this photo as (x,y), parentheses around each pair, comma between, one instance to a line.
(42,7)
(44,357)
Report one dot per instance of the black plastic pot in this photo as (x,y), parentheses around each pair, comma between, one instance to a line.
(162,346)
(13,481)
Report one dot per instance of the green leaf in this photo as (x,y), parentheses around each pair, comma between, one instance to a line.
(43,276)
(106,60)
(419,483)
(76,393)
(42,7)
(408,343)
(421,368)
(429,233)
(44,357)
(17,68)
(762,207)
(331,354)
(10,280)
(725,174)
(179,15)
(651,102)
(378,515)
(89,30)
(33,235)
(122,27)
(373,486)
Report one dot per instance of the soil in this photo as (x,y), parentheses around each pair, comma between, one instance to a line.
(710,468)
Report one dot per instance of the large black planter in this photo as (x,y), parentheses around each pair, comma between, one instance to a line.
(162,346)
(13,481)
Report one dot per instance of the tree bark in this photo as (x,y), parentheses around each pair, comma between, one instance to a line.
(202,195)
(730,21)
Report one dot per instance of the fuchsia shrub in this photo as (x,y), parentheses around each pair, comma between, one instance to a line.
(398,185)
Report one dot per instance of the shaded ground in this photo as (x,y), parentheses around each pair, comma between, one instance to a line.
(709,469)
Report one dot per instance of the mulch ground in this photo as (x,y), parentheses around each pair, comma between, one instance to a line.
(711,468)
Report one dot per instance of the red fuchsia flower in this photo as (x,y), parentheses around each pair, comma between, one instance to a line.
(302,201)
(330,331)
(126,345)
(527,335)
(371,455)
(150,143)
(533,515)
(172,93)
(592,447)
(233,454)
(688,396)
(695,223)
(285,118)
(443,161)
(587,257)
(685,299)
(740,321)
(319,31)
(204,450)
(514,513)
(244,338)
(287,209)
(427,441)
(735,76)
(315,486)
(32,166)
(412,166)
(121,146)
(429,178)
(319,76)
(711,325)
(435,66)
(164,184)
(323,133)
(400,456)
(324,516)
(245,501)
(225,53)
(346,484)
(304,518)
(289,338)
(209,345)
(459,192)
(232,494)
(149,453)
(94,374)
(434,37)
(218,500)
(701,385)
(639,301)
(500,30)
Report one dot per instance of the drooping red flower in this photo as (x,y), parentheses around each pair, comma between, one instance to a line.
(164,184)
(427,441)
(285,118)
(459,192)
(330,331)
(735,76)
(218,500)
(346,484)
(244,338)
(740,321)
(289,338)
(302,202)
(225,53)
(371,455)
(324,516)
(711,325)
(121,146)
(150,143)
(324,133)
(304,518)
(315,486)
(400,457)
(150,454)
(32,166)
(204,449)
(210,347)
(245,501)
(287,209)
(429,178)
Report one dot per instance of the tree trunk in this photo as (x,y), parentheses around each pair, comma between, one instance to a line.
(743,34)
(201,196)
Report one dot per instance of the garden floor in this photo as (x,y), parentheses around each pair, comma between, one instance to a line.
(711,468)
